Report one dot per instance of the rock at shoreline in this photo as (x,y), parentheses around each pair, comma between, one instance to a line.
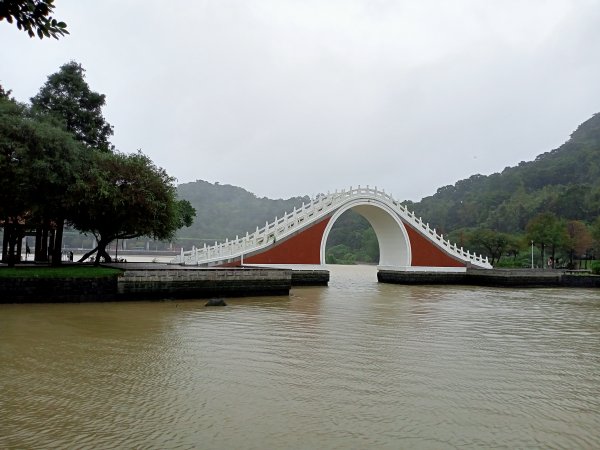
(216,302)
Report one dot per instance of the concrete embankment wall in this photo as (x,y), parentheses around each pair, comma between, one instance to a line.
(493,277)
(310,277)
(145,283)
(51,290)
(202,283)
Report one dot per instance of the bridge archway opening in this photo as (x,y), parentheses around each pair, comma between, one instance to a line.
(394,244)
(352,239)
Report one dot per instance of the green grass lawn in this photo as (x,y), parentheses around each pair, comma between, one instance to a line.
(58,272)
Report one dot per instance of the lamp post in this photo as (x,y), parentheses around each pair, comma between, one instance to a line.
(532,254)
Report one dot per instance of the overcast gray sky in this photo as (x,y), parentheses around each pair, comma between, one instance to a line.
(290,97)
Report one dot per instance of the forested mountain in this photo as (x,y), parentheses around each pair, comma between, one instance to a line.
(224,211)
(564,181)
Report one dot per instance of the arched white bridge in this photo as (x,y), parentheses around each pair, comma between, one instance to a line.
(406,242)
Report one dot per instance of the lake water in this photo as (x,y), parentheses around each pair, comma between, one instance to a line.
(355,365)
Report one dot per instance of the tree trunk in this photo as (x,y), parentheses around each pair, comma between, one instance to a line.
(58,237)
(51,234)
(543,262)
(44,243)
(5,242)
(37,250)
(19,240)
(102,253)
(88,254)
(12,242)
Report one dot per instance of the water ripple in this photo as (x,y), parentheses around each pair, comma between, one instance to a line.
(355,365)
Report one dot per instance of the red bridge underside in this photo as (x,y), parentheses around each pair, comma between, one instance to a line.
(427,254)
(302,248)
(305,248)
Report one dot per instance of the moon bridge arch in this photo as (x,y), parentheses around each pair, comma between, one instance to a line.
(393,240)
(405,241)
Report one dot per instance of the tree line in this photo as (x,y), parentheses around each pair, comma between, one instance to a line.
(548,241)
(59,168)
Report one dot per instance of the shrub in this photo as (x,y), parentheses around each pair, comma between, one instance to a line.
(596,268)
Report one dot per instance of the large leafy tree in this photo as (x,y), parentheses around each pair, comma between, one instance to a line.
(579,241)
(595,231)
(124,197)
(37,162)
(13,135)
(547,232)
(33,17)
(67,96)
(491,242)
(488,242)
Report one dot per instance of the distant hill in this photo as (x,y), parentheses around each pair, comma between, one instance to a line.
(224,211)
(565,181)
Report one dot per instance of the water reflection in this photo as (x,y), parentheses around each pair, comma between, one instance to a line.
(358,364)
